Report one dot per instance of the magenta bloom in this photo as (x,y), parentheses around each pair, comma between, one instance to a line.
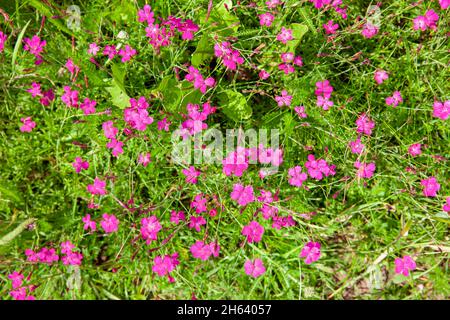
(88,106)
(109,223)
(254,268)
(35,46)
(324,103)
(380,76)
(444,4)
(284,99)
(165,265)
(430,187)
(137,115)
(88,223)
(263,74)
(319,168)
(144,159)
(196,223)
(404,265)
(203,251)
(242,195)
(98,187)
(441,110)
(266,19)
(356,146)
(47,97)
(191,174)
(194,76)
(72,67)
(28,124)
(323,89)
(109,130)
(311,251)
(70,97)
(16,279)
(253,231)
(369,30)
(176,217)
(146,15)
(364,124)
(116,147)
(300,111)
(93,49)
(127,53)
(2,41)
(285,35)
(415,149)
(35,90)
(79,164)
(149,229)
(330,27)
(365,170)
(395,99)
(110,51)
(235,163)
(199,203)
(230,57)
(420,23)
(297,177)
(446,206)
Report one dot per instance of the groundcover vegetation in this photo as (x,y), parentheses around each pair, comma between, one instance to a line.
(224,149)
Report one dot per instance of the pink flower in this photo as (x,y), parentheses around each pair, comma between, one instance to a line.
(444,4)
(16,279)
(72,258)
(324,103)
(48,96)
(176,217)
(253,231)
(28,124)
(93,49)
(146,15)
(263,74)
(163,125)
(380,76)
(285,35)
(320,3)
(446,206)
(35,90)
(254,268)
(323,89)
(364,124)
(70,97)
(441,109)
(165,265)
(72,67)
(404,265)
(203,251)
(79,165)
(235,163)
(369,30)
(266,19)
(395,99)
(196,223)
(311,251)
(110,51)
(430,187)
(109,130)
(230,58)
(137,115)
(272,3)
(431,18)
(318,168)
(284,99)
(420,23)
(297,177)
(66,247)
(88,223)
(144,159)
(88,106)
(116,147)
(187,29)
(356,146)
(191,174)
(98,187)
(242,195)
(109,223)
(330,27)
(199,203)
(300,110)
(2,41)
(365,170)
(415,149)
(196,78)
(35,46)
(127,53)
(149,229)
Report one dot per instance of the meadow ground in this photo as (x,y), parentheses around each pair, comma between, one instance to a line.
(96,96)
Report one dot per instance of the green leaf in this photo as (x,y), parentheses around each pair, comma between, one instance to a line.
(224,22)
(18,44)
(10,194)
(10,236)
(46,11)
(171,93)
(119,97)
(298,31)
(234,105)
(203,51)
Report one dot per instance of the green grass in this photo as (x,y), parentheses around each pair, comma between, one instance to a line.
(362,228)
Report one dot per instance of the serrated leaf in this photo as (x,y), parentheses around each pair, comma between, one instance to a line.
(234,105)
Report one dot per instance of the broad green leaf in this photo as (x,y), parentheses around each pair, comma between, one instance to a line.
(171,93)
(18,230)
(298,31)
(119,97)
(203,51)
(234,105)
(18,44)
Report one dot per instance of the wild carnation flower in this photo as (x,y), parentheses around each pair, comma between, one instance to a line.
(2,41)
(364,124)
(323,89)
(395,99)
(88,223)
(70,97)
(109,130)
(176,217)
(35,46)
(380,76)
(441,110)
(430,187)
(203,251)
(137,115)
(47,97)
(163,266)
(110,51)
(311,251)
(146,15)
(149,229)
(330,27)
(230,57)
(324,103)
(446,206)
(253,231)
(242,195)
(109,223)
(35,90)
(297,177)
(272,3)
(266,19)
(28,124)
(127,53)
(191,174)
(415,149)
(88,106)
(72,67)
(254,268)
(356,146)
(196,223)
(319,168)
(199,203)
(93,49)
(284,99)
(116,147)
(98,187)
(365,170)
(285,35)
(263,74)
(369,30)
(300,111)
(404,265)
(320,3)
(79,165)
(194,76)
(235,162)
(444,4)
(144,159)
(16,279)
